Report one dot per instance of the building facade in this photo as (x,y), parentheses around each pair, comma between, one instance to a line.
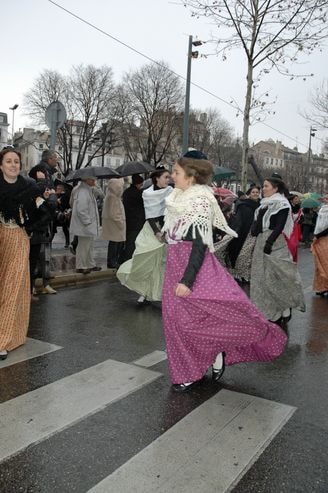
(3,130)
(301,171)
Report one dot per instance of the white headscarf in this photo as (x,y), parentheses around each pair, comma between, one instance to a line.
(154,201)
(322,220)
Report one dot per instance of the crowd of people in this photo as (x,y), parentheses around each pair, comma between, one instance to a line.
(174,241)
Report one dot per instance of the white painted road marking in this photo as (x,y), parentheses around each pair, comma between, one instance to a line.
(208,451)
(37,415)
(31,349)
(151,359)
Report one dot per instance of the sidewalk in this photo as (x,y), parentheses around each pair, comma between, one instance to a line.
(63,264)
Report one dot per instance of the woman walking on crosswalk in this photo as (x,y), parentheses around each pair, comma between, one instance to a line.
(208,320)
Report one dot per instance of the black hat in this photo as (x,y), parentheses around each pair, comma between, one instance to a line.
(194,154)
(158,170)
(137,179)
(276,175)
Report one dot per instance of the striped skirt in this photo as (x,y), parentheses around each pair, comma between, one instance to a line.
(15,287)
(320,251)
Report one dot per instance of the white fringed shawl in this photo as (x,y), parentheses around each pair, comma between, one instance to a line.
(194,208)
(274,204)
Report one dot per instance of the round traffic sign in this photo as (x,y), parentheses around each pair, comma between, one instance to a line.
(55,114)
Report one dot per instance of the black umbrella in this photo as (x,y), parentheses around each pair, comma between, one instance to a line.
(93,171)
(135,168)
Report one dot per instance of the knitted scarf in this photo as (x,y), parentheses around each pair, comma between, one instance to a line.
(274,204)
(322,220)
(194,208)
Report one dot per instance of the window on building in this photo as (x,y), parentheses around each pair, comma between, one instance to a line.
(2,119)
(108,161)
(117,161)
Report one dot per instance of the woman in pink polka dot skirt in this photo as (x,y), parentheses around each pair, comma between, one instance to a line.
(208,320)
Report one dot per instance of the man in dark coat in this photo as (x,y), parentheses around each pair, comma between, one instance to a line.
(48,166)
(135,215)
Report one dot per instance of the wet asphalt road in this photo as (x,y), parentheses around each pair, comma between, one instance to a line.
(102,321)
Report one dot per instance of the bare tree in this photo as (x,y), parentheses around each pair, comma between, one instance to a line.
(319,106)
(210,133)
(270,33)
(153,99)
(90,98)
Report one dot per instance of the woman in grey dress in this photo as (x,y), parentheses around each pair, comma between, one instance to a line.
(276,285)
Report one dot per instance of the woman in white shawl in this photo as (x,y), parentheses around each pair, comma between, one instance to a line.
(144,272)
(320,250)
(208,320)
(276,285)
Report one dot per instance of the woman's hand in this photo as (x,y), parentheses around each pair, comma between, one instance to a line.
(182,290)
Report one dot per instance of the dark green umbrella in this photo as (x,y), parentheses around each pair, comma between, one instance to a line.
(221,173)
(310,203)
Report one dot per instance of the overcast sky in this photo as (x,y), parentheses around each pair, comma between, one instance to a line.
(38,35)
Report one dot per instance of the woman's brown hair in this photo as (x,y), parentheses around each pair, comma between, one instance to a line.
(200,169)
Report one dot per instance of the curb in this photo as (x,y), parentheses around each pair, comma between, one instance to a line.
(74,279)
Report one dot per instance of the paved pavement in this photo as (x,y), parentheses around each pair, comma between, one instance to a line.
(86,405)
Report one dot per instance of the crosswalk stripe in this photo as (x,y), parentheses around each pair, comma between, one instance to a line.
(207,451)
(151,359)
(34,416)
(31,349)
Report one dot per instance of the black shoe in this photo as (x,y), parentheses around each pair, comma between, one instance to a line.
(321,293)
(182,387)
(72,249)
(83,271)
(218,373)
(3,355)
(95,268)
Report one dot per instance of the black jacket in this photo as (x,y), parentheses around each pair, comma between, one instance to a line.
(277,224)
(196,259)
(241,222)
(134,208)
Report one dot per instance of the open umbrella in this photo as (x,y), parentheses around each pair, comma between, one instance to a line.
(220,173)
(94,171)
(224,192)
(310,203)
(135,168)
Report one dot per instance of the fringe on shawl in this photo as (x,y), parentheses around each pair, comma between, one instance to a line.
(195,208)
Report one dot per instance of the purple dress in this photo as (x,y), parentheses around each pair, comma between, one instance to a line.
(217,316)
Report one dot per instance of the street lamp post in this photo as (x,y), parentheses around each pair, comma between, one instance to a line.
(312,134)
(13,108)
(191,54)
